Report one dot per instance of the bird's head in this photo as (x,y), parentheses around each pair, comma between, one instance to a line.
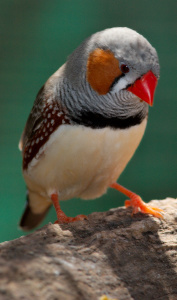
(114,72)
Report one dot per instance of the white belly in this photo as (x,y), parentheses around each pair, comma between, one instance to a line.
(82,162)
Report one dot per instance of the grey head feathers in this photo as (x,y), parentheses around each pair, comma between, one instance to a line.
(70,88)
(127,45)
(129,48)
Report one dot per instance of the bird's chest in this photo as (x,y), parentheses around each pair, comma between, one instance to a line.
(79,161)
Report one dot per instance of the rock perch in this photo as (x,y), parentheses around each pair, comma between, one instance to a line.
(111,254)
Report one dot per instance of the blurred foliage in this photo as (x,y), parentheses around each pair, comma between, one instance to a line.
(35,39)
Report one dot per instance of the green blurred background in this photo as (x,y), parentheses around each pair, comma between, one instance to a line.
(36,36)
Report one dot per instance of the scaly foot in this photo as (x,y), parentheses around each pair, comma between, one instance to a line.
(139,205)
(64,219)
(61,217)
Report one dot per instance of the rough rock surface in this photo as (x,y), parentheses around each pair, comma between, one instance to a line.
(111,253)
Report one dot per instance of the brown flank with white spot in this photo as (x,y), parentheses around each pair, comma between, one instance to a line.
(53,117)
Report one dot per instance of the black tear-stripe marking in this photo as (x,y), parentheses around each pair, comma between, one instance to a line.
(116,81)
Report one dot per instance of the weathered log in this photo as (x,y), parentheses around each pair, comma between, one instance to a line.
(111,253)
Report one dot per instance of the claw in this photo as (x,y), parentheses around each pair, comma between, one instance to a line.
(156,208)
(127,203)
(152,210)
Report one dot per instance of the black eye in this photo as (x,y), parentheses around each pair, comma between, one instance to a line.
(124,68)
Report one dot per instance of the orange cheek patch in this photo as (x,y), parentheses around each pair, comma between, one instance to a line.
(102,69)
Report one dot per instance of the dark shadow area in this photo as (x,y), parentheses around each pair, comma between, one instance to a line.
(131,245)
(140,262)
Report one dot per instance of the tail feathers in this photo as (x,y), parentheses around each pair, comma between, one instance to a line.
(31,218)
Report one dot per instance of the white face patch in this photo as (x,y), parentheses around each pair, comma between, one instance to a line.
(124,81)
(121,84)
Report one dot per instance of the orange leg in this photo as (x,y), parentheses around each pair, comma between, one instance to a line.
(61,217)
(136,202)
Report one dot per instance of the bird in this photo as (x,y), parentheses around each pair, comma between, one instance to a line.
(86,123)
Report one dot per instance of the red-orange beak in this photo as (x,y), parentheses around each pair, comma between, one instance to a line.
(145,87)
